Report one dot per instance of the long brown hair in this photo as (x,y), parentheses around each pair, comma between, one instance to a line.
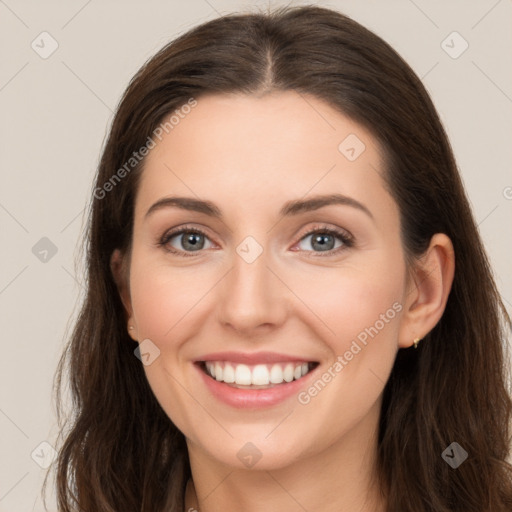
(120,452)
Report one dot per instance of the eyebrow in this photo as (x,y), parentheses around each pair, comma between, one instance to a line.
(290,207)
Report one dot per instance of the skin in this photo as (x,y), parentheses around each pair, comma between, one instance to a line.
(249,155)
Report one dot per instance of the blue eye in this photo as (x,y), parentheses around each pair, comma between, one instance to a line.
(322,241)
(190,239)
(326,240)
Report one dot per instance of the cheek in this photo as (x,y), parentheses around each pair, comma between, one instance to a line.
(369,310)
(360,310)
(163,302)
(351,301)
(161,297)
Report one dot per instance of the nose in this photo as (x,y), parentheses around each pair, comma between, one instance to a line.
(251,297)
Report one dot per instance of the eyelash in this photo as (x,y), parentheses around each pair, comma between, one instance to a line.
(343,236)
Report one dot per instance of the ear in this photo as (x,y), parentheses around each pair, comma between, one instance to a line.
(430,284)
(119,267)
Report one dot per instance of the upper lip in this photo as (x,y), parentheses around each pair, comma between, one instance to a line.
(252,358)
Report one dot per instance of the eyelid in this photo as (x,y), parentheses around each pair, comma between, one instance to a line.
(323,227)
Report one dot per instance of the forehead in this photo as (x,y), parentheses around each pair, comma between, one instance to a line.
(247,150)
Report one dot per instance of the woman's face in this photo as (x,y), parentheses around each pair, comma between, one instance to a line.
(253,296)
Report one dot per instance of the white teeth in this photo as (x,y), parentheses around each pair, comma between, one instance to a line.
(229,373)
(260,376)
(257,375)
(218,371)
(276,374)
(243,375)
(288,373)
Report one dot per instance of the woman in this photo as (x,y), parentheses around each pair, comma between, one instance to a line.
(289,306)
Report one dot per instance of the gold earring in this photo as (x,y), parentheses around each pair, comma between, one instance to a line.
(416,341)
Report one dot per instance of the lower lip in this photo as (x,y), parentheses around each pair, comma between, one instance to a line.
(253,398)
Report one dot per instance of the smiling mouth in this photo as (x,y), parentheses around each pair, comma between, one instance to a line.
(259,376)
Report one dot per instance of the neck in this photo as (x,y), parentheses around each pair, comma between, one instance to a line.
(339,479)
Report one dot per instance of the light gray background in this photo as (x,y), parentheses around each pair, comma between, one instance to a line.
(55,114)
